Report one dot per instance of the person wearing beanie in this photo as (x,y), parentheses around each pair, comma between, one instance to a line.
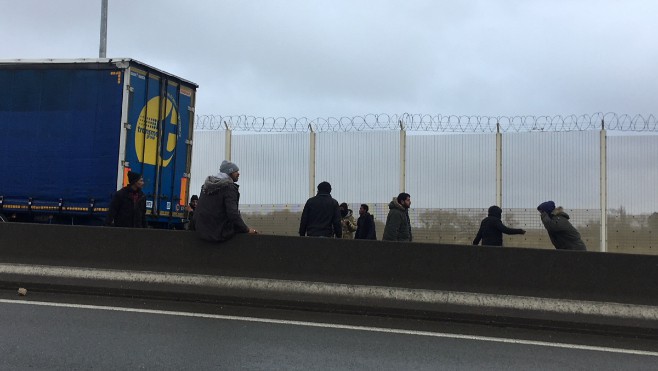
(217,216)
(321,215)
(563,235)
(492,229)
(128,205)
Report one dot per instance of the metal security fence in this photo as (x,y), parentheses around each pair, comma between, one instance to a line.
(598,167)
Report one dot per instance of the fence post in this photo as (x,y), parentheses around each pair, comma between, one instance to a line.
(227,142)
(604,187)
(403,157)
(499,166)
(311,163)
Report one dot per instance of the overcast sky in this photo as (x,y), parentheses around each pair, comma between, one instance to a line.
(343,58)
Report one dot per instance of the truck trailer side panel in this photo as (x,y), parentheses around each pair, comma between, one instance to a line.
(58,137)
(70,130)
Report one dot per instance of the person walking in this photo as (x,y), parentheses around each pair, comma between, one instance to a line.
(492,229)
(217,216)
(128,205)
(563,235)
(365,225)
(347,222)
(321,215)
(398,224)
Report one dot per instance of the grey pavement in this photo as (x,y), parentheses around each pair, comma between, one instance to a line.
(46,337)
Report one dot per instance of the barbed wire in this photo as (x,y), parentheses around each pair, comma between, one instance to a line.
(431,123)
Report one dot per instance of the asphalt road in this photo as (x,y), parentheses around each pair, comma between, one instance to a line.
(55,331)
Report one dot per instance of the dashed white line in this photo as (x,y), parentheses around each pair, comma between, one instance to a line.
(337,326)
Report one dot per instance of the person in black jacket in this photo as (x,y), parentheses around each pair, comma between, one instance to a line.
(128,206)
(321,215)
(492,229)
(189,212)
(365,225)
(217,217)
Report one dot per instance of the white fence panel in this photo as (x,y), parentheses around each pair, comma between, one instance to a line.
(208,151)
(451,171)
(274,168)
(362,167)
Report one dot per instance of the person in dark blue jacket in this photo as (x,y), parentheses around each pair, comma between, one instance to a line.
(365,225)
(492,229)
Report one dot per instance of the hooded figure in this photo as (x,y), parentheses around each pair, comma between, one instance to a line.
(217,217)
(563,235)
(128,206)
(492,229)
(347,221)
(398,224)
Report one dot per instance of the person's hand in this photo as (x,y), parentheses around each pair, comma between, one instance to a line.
(252,231)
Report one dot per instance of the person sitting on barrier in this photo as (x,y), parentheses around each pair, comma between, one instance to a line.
(128,205)
(365,225)
(321,215)
(347,221)
(563,235)
(492,229)
(217,216)
(398,224)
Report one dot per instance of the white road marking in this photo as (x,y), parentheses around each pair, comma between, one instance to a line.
(335,326)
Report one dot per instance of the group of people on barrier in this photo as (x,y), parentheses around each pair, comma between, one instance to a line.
(215,215)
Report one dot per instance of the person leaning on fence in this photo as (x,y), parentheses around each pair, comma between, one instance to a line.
(347,222)
(492,229)
(321,215)
(398,224)
(217,216)
(128,206)
(365,225)
(563,235)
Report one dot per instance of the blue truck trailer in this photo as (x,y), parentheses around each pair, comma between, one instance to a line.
(70,130)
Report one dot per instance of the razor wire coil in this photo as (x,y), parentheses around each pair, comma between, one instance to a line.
(431,123)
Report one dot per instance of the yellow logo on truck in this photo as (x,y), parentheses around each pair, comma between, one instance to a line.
(146,136)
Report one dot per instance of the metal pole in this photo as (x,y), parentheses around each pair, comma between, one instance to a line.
(403,158)
(227,147)
(311,163)
(499,166)
(604,188)
(102,51)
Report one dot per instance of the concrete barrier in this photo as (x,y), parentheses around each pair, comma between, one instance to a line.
(499,284)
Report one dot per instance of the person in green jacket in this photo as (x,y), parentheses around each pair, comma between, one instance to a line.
(563,235)
(398,225)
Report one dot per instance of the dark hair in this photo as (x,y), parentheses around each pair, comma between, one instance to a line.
(324,187)
(403,196)
(343,205)
(365,207)
(194,198)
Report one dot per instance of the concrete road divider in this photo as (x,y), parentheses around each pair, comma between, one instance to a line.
(529,286)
